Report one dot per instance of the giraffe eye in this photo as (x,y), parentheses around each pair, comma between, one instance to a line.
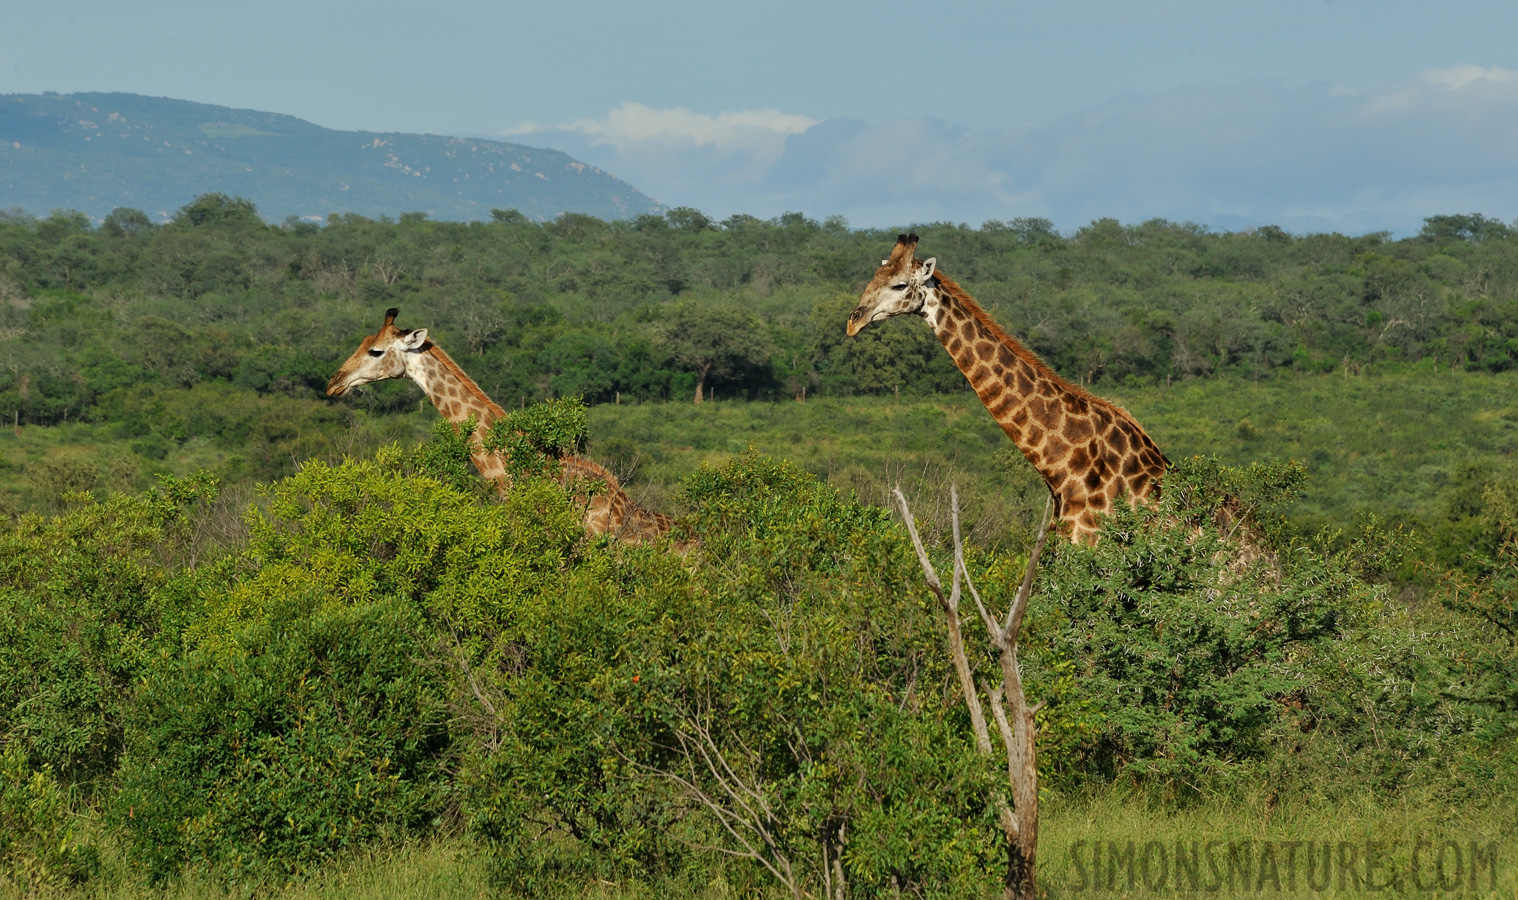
(375,351)
(899,287)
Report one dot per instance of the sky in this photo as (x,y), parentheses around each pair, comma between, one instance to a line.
(1310,114)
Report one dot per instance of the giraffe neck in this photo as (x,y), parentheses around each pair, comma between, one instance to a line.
(1021,392)
(1088,451)
(457,398)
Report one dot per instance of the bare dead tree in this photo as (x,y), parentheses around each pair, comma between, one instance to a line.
(1009,703)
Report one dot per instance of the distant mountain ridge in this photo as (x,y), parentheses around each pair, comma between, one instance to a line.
(95,152)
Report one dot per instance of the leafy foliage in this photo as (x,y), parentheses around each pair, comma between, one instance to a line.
(785,667)
(39,849)
(88,600)
(1181,646)
(528,438)
(324,730)
(391,651)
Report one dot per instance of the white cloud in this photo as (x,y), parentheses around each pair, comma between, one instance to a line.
(1460,76)
(1309,158)
(1455,87)
(632,124)
(678,156)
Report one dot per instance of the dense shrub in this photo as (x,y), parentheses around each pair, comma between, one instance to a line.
(395,650)
(365,530)
(88,601)
(792,657)
(324,729)
(796,662)
(39,850)
(1183,638)
(1206,661)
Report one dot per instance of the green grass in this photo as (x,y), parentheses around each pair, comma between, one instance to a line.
(444,869)
(1392,443)
(1072,828)
(1098,829)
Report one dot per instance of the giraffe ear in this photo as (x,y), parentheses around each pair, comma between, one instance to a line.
(413,340)
(929,266)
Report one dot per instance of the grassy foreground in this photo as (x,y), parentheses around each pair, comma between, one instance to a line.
(1122,844)
(440,870)
(1109,842)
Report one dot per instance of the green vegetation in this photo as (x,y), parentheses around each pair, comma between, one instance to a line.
(369,673)
(203,345)
(1409,447)
(392,655)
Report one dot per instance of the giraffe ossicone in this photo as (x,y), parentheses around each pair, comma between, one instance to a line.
(399,353)
(1089,451)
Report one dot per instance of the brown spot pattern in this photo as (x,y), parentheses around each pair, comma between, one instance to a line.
(1088,451)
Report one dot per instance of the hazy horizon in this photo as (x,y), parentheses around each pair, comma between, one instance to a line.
(1340,115)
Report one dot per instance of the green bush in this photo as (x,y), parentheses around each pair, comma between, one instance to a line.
(1207,660)
(364,530)
(310,715)
(1429,694)
(324,729)
(794,658)
(88,600)
(396,649)
(38,847)
(1183,641)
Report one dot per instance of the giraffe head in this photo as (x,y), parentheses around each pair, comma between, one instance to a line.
(901,285)
(379,356)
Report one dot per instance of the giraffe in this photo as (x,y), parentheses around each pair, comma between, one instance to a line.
(1089,451)
(397,353)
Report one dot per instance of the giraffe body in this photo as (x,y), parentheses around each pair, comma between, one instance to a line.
(1089,451)
(395,353)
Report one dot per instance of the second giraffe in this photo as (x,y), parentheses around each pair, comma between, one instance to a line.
(1089,451)
(397,353)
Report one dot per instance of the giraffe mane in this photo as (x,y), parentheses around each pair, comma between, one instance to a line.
(453,369)
(963,297)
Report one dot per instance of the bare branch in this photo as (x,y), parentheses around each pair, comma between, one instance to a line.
(1014,621)
(1009,706)
(951,614)
(494,718)
(934,584)
(1003,812)
(959,547)
(738,806)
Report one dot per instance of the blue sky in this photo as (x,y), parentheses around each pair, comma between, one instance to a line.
(1344,114)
